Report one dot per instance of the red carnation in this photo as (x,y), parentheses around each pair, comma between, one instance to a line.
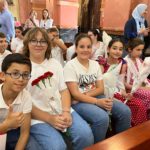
(48,74)
(42,78)
(36,82)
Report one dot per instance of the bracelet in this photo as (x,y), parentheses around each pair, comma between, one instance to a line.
(67,111)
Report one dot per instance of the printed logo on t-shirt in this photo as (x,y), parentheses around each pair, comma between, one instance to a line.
(87,82)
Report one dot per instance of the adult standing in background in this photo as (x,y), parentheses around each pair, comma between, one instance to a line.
(137,25)
(46,21)
(6,21)
(32,21)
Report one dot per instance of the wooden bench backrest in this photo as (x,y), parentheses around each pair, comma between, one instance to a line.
(136,138)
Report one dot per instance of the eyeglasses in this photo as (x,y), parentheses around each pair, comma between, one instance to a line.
(17,75)
(35,43)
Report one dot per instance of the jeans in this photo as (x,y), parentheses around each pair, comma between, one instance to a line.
(51,139)
(12,139)
(98,118)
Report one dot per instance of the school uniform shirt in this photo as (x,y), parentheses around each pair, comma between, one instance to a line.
(46,94)
(22,103)
(74,71)
(2,56)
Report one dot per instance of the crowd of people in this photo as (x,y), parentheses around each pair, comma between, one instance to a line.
(49,92)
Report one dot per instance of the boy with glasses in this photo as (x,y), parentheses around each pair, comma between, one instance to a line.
(16,103)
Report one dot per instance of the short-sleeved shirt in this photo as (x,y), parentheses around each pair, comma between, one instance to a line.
(15,43)
(74,71)
(57,53)
(2,56)
(46,96)
(22,103)
(96,52)
(46,24)
(70,52)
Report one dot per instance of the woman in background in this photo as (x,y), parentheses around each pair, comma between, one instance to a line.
(46,22)
(32,21)
(137,26)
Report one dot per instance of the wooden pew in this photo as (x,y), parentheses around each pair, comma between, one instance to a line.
(136,138)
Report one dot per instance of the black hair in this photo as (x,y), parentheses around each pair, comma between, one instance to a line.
(25,31)
(19,28)
(77,39)
(47,12)
(96,32)
(114,41)
(134,43)
(15,58)
(2,35)
(81,36)
(52,29)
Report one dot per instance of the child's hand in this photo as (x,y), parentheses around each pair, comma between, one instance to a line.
(68,118)
(14,119)
(105,103)
(129,95)
(58,122)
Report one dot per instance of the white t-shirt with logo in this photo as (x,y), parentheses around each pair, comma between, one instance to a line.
(74,71)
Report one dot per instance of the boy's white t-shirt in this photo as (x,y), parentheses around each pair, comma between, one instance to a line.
(47,96)
(74,71)
(22,103)
(15,43)
(70,52)
(57,53)
(2,56)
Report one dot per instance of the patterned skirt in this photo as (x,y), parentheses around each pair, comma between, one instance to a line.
(144,95)
(137,107)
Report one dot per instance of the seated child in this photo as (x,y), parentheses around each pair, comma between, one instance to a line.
(85,83)
(114,71)
(16,103)
(3,46)
(134,65)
